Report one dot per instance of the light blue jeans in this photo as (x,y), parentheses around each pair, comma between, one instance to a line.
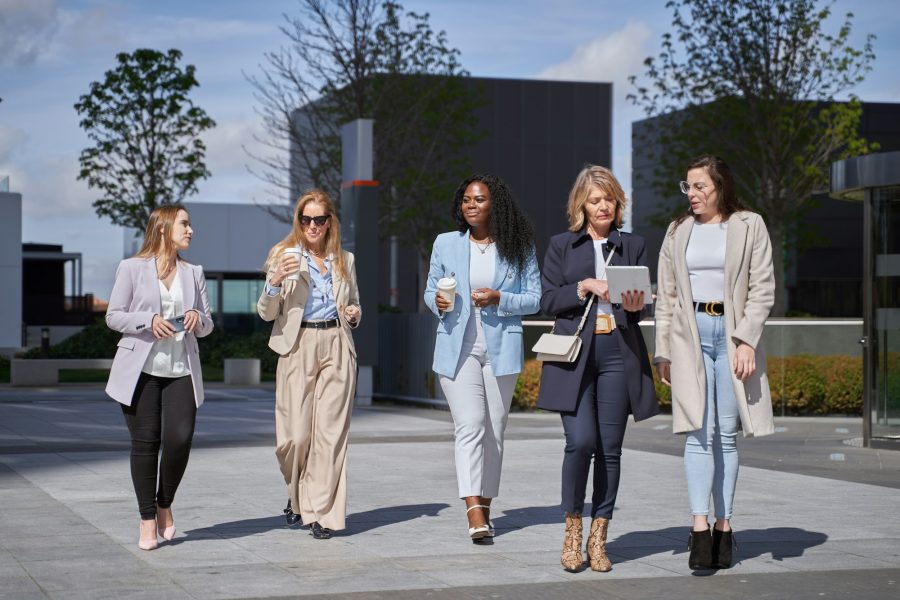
(710,453)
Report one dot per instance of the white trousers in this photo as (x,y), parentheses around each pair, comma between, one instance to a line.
(479,404)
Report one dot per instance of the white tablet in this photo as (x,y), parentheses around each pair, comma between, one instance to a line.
(624,279)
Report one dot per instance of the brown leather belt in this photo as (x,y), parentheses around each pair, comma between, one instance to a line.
(713,309)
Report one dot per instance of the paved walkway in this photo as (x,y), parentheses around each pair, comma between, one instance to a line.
(816,517)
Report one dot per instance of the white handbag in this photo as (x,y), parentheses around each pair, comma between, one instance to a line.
(553,347)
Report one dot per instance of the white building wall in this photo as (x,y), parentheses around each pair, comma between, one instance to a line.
(228,238)
(10,270)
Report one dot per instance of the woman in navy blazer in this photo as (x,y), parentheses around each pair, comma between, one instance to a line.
(611,377)
(156,374)
(478,352)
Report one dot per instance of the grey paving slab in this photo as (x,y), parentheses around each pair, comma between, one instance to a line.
(406,530)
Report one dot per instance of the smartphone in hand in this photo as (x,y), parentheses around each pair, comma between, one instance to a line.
(177,322)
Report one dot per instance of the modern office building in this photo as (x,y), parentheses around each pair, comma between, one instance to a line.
(824,278)
(535,135)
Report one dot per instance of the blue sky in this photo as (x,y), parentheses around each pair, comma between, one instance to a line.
(51,50)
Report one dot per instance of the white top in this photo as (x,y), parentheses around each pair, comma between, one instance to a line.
(167,357)
(603,308)
(705,259)
(482,265)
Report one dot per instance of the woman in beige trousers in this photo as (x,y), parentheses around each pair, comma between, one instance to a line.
(312,297)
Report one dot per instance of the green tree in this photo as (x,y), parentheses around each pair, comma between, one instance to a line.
(145,132)
(754,81)
(351,59)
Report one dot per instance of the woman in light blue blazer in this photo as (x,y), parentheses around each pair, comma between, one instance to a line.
(482,279)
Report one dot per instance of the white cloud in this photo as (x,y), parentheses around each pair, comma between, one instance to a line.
(609,58)
(12,142)
(612,58)
(225,142)
(49,188)
(26,27)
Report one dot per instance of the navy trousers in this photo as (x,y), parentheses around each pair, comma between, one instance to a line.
(595,430)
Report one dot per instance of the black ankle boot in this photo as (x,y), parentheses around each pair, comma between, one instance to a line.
(290,516)
(722,542)
(700,544)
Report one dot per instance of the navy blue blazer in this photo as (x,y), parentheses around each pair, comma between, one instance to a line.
(569,259)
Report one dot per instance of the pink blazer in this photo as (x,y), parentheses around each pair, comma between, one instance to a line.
(133,303)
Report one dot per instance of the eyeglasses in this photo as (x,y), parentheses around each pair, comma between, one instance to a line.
(305,220)
(698,187)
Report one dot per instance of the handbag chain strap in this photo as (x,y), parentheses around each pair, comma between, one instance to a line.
(587,309)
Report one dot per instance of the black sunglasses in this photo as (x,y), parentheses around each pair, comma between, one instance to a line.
(305,220)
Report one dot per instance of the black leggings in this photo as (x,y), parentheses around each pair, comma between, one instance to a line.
(162,413)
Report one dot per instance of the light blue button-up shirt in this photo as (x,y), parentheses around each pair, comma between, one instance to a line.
(320,304)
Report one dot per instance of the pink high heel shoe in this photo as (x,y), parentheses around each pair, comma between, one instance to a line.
(166,533)
(147,544)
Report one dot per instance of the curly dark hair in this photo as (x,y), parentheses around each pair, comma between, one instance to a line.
(510,228)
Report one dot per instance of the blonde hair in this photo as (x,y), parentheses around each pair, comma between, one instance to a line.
(589,177)
(297,238)
(158,236)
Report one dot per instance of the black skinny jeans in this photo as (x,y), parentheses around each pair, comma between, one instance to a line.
(161,414)
(596,429)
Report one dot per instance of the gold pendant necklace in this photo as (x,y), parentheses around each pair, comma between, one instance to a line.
(486,246)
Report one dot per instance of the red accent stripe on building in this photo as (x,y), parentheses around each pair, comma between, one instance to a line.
(359,183)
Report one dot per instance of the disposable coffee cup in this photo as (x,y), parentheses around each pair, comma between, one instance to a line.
(296,253)
(447,289)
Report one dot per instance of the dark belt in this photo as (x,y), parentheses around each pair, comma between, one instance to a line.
(713,309)
(320,324)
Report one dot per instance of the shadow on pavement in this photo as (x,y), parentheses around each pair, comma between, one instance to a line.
(779,542)
(234,529)
(356,523)
(389,515)
(520,518)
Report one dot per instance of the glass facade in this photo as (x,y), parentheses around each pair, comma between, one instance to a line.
(874,180)
(232,300)
(885,333)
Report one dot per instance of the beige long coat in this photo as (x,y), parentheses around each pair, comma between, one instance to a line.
(749,295)
(287,312)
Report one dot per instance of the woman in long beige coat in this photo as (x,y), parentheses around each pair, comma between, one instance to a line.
(716,286)
(312,297)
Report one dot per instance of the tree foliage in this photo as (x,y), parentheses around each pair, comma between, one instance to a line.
(352,59)
(145,132)
(754,81)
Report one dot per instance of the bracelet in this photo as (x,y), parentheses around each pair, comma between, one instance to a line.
(579,291)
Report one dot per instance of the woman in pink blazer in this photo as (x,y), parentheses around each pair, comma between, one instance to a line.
(159,304)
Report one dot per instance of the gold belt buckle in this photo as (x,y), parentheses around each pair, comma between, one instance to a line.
(604,324)
(711,309)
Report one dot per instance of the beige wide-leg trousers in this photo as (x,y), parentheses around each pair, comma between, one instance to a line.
(314,389)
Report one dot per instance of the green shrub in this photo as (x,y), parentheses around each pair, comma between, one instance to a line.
(218,346)
(99,341)
(94,341)
(808,385)
(525,396)
(816,385)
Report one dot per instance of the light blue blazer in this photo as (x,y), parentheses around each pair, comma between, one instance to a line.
(520,294)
